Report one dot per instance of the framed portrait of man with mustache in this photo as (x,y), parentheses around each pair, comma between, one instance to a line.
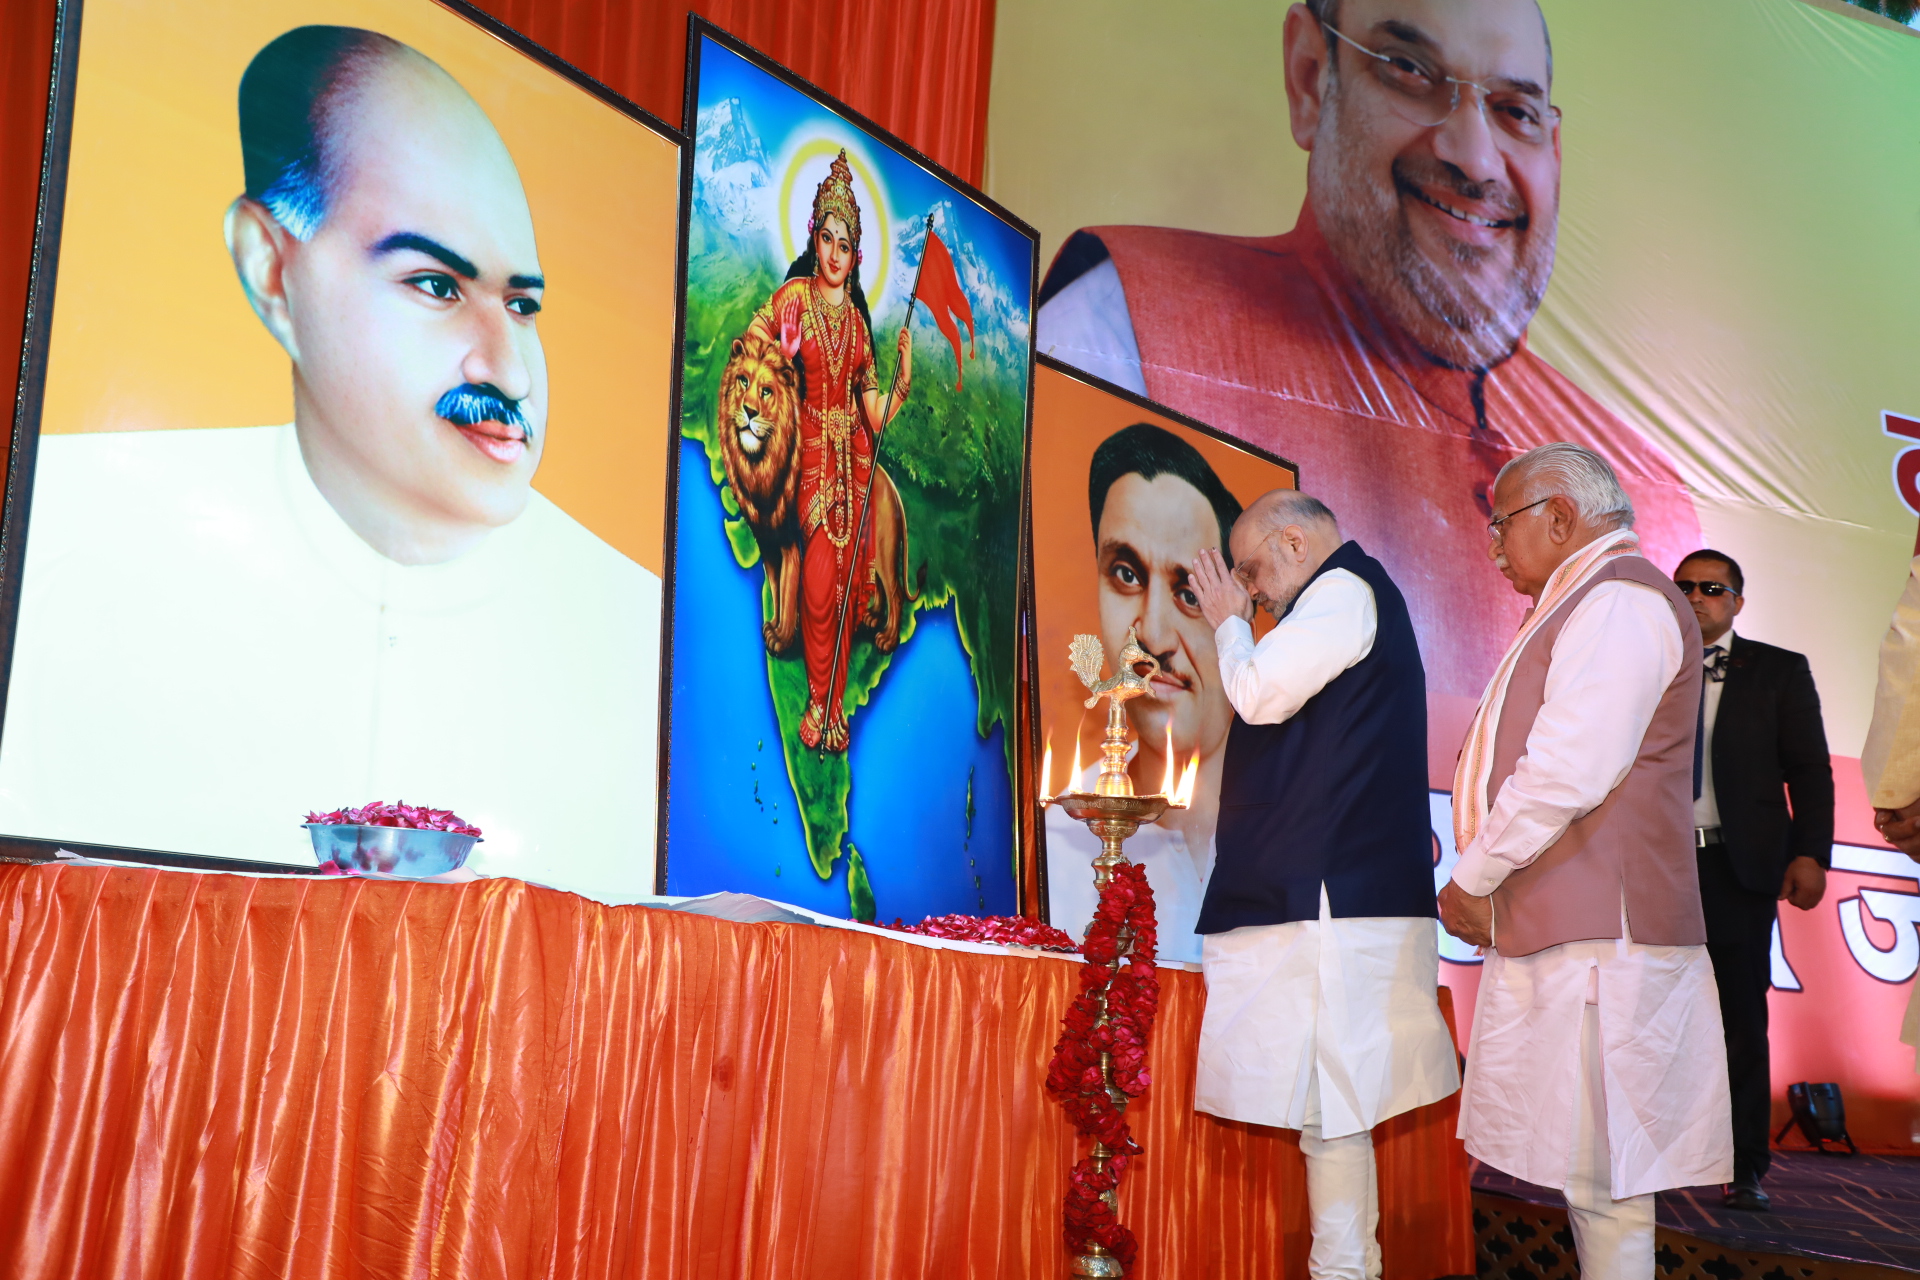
(1126,494)
(348,467)
(1381,342)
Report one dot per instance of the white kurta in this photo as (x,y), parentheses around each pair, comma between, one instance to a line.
(1668,1119)
(1348,1004)
(1176,871)
(1890,760)
(206,651)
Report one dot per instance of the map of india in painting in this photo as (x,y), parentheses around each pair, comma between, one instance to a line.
(852,431)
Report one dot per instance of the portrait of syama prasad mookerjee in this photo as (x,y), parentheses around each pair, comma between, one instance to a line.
(222,629)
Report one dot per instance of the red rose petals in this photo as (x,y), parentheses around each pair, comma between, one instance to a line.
(1013,931)
(380,814)
(1113,1014)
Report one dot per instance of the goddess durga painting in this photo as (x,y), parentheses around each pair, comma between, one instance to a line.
(851,545)
(842,705)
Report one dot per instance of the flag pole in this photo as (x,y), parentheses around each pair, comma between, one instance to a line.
(860,537)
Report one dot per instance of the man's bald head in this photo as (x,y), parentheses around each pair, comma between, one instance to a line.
(1274,511)
(314,96)
(1279,543)
(1328,11)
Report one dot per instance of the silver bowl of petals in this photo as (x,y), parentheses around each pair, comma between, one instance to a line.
(391,839)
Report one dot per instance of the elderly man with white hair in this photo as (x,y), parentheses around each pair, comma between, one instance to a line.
(1597,1064)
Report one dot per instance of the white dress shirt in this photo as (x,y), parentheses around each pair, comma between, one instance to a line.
(1329,1023)
(1667,1106)
(1706,807)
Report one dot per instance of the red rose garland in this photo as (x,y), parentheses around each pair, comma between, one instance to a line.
(1132,995)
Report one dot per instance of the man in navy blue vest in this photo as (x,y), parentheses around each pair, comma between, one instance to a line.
(1319,946)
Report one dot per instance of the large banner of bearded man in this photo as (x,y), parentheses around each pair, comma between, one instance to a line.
(853,432)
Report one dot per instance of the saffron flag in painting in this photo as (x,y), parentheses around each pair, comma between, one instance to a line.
(940,290)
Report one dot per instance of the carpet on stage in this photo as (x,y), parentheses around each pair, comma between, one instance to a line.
(1834,1218)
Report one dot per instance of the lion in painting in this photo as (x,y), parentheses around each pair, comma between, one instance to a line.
(759,430)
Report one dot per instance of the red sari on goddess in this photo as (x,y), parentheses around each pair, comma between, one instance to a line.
(819,319)
(832,344)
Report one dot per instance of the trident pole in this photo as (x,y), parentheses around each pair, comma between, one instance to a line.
(860,537)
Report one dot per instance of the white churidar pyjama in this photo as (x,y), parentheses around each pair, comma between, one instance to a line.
(1343,1201)
(1329,1027)
(1614,1237)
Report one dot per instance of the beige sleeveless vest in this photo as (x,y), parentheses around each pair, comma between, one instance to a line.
(1640,840)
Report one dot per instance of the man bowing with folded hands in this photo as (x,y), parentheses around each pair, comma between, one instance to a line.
(1598,1064)
(1317,930)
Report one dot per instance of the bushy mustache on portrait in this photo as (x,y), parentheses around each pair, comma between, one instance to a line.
(469,405)
(1452,308)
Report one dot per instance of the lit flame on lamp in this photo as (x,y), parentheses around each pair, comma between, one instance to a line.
(1046,771)
(1073,779)
(1183,795)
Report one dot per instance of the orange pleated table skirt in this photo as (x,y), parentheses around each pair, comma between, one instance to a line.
(213,1075)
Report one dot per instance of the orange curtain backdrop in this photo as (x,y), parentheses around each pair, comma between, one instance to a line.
(920,69)
(26,55)
(217,1075)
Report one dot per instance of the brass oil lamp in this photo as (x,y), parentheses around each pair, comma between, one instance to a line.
(1113,812)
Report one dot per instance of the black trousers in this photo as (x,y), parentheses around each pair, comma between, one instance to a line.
(1740,944)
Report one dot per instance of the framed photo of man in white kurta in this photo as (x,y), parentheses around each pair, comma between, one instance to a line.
(347,471)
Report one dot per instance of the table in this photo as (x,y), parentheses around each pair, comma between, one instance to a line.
(286,1077)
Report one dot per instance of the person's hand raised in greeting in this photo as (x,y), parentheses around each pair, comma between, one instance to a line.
(1220,594)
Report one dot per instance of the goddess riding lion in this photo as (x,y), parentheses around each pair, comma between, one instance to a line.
(759,429)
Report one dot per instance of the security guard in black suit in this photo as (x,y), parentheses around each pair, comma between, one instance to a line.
(1764,831)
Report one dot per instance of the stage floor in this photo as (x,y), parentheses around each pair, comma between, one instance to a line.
(1846,1209)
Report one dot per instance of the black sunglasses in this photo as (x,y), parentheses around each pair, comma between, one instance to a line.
(1708,589)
